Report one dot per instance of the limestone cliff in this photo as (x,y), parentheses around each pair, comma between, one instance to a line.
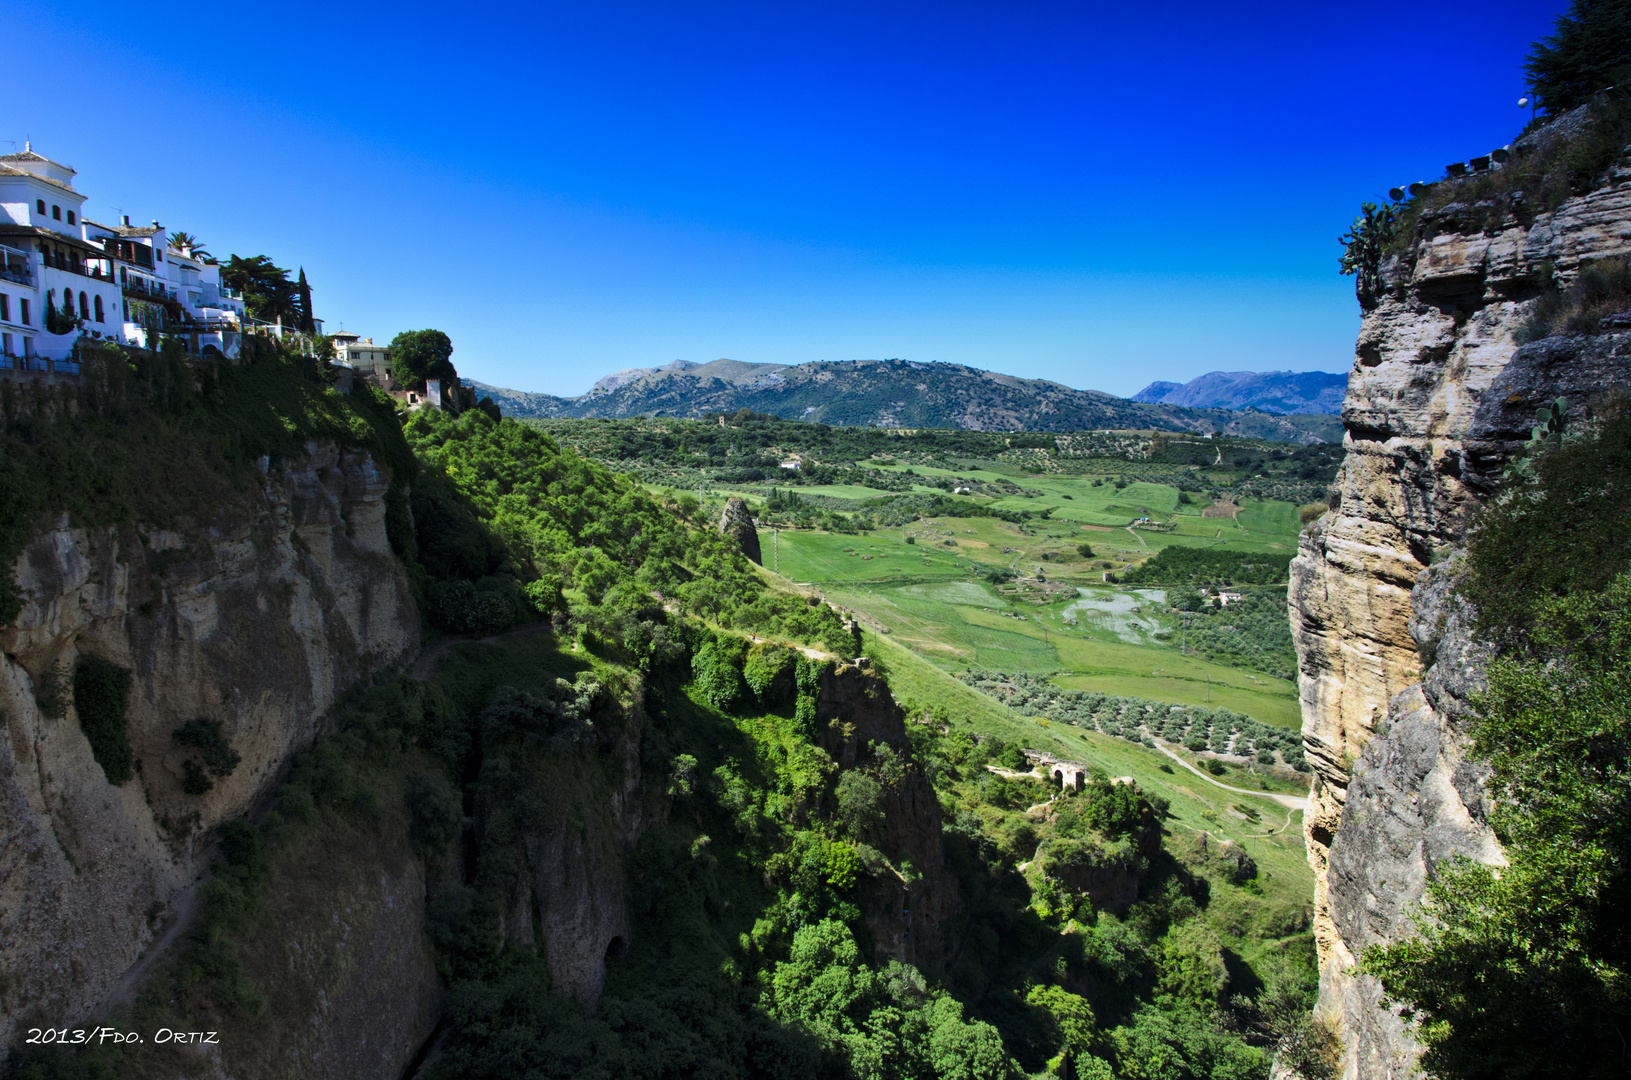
(909,914)
(256,618)
(736,522)
(1439,397)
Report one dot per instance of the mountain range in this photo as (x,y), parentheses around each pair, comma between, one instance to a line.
(1284,392)
(896,394)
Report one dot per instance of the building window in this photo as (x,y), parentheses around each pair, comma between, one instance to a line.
(56,213)
(5,344)
(99,309)
(70,217)
(22,304)
(5,308)
(39,206)
(84,307)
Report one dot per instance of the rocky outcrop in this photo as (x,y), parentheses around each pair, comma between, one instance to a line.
(911,909)
(1439,397)
(584,815)
(737,523)
(257,617)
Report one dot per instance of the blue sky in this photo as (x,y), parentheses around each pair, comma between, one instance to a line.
(1097,194)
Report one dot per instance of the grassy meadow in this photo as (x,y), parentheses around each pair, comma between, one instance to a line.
(938,596)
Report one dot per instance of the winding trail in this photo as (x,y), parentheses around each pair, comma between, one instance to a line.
(424,665)
(1290,802)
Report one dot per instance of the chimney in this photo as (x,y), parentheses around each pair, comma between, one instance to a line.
(127,221)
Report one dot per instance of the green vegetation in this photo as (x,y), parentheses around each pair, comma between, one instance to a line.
(215,754)
(852,474)
(517,517)
(1363,246)
(101,692)
(1220,731)
(1209,567)
(1521,971)
(1589,51)
(417,355)
(1117,930)
(1602,287)
(1251,632)
(1563,527)
(105,452)
(268,293)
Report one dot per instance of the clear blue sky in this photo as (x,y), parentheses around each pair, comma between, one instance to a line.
(1098,194)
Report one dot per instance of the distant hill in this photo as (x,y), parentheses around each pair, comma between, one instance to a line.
(1155,392)
(1285,392)
(893,394)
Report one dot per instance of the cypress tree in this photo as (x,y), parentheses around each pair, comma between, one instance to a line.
(308,325)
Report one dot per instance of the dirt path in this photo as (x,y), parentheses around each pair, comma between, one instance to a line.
(181,915)
(1139,538)
(1290,802)
(424,665)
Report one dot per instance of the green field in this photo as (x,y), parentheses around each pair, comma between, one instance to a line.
(1275,841)
(935,596)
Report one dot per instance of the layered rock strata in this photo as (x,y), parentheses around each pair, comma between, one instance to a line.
(256,617)
(1439,398)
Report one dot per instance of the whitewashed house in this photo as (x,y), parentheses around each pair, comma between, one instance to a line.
(169,292)
(63,278)
(48,270)
(363,356)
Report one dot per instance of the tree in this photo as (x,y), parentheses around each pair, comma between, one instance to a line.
(307,323)
(188,244)
(417,355)
(268,293)
(1590,51)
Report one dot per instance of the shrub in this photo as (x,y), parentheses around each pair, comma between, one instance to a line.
(718,668)
(859,796)
(1562,527)
(218,759)
(1603,287)
(435,817)
(554,718)
(769,673)
(101,691)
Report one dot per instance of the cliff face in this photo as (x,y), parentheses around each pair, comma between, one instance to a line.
(256,618)
(569,867)
(1439,398)
(910,920)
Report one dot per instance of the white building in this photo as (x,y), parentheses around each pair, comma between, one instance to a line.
(168,291)
(362,355)
(63,278)
(54,284)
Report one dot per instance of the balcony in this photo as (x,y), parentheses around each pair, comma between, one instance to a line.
(17,273)
(140,287)
(208,325)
